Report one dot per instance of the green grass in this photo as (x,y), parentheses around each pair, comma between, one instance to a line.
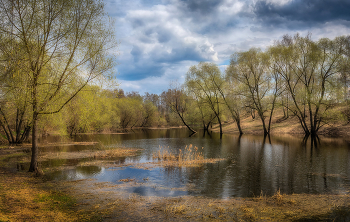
(56,199)
(5,159)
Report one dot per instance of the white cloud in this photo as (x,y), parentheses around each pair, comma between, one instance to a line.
(279,2)
(160,39)
(231,7)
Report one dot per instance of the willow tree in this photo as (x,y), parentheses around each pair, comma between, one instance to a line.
(205,79)
(177,101)
(309,70)
(206,115)
(15,116)
(252,70)
(64,46)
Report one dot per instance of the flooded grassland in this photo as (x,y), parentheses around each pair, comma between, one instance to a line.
(164,175)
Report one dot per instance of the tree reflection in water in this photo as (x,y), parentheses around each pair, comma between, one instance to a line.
(253,165)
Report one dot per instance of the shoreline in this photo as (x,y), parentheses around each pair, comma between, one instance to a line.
(289,126)
(249,126)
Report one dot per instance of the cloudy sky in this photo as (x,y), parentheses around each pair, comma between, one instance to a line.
(161,39)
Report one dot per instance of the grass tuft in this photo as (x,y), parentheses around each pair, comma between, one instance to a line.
(191,156)
(278,197)
(175,209)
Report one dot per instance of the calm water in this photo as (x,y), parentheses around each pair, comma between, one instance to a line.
(253,164)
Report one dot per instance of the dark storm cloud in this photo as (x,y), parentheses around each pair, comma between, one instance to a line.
(302,13)
(207,16)
(201,6)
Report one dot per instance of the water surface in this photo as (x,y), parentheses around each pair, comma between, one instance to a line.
(253,164)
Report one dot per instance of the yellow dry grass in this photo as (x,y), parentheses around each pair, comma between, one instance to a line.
(26,198)
(68,144)
(279,207)
(191,156)
(117,152)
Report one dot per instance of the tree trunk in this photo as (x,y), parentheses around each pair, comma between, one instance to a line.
(220,125)
(252,113)
(34,161)
(287,106)
(204,126)
(261,115)
(17,137)
(238,122)
(183,121)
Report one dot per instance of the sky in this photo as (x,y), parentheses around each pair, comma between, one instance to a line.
(160,39)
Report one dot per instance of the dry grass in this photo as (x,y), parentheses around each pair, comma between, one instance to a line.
(278,197)
(127,180)
(279,207)
(68,144)
(117,152)
(26,198)
(174,209)
(191,156)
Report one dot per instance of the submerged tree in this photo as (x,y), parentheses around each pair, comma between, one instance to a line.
(177,101)
(206,80)
(309,70)
(64,46)
(206,115)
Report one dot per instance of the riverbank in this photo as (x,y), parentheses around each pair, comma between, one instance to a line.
(26,197)
(281,126)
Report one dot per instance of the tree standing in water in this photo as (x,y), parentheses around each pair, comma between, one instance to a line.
(64,46)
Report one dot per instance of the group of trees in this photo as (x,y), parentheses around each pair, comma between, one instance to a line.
(305,78)
(93,109)
(49,51)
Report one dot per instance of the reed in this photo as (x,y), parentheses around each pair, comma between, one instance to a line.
(189,153)
(189,156)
